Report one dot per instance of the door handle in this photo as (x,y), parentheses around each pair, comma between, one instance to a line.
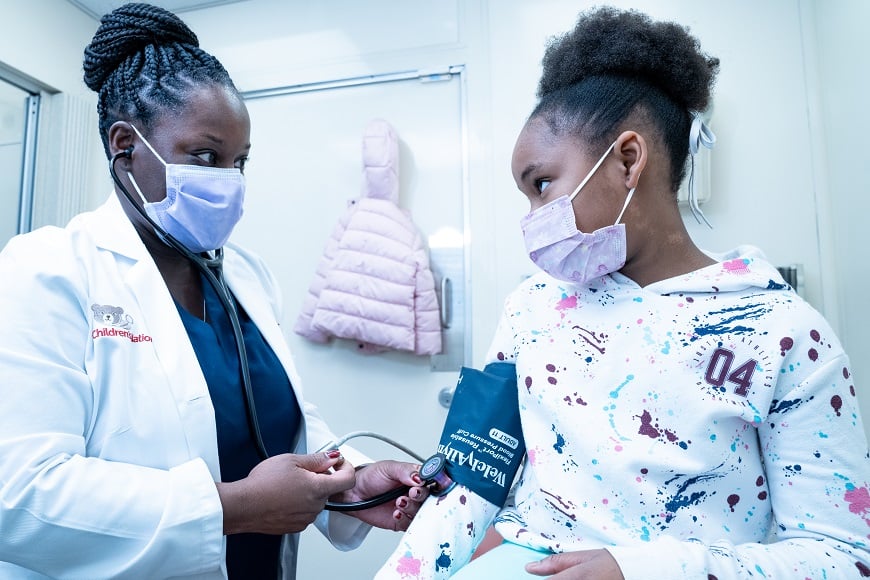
(445,302)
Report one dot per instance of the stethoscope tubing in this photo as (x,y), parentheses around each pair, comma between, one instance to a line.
(208,267)
(212,269)
(365,504)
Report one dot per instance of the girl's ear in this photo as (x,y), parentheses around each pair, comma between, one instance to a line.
(631,151)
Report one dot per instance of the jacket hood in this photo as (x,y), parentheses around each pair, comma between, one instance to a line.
(380,153)
(738,270)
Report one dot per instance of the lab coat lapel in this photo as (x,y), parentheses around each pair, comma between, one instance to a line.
(176,356)
(161,321)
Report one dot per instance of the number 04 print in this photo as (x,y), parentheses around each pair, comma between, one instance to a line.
(719,371)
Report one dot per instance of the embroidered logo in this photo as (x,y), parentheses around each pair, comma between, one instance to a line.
(112,315)
(115,323)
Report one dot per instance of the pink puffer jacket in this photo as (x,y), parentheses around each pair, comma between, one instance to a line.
(373,283)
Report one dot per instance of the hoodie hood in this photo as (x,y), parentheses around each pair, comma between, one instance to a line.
(738,270)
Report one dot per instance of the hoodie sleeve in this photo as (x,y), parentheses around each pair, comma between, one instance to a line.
(442,538)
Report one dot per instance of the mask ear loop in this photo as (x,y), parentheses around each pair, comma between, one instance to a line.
(136,187)
(625,205)
(148,145)
(591,172)
(699,134)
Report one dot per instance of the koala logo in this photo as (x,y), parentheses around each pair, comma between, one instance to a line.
(112,316)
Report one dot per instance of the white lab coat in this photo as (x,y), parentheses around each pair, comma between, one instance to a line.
(108,448)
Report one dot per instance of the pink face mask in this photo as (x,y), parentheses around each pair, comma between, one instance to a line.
(557,247)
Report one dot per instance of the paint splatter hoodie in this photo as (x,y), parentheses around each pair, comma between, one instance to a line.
(704,426)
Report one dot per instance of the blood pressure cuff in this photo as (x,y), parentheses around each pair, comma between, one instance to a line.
(482,438)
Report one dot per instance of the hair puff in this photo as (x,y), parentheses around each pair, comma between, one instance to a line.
(611,42)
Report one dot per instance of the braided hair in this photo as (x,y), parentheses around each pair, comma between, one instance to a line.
(617,63)
(143,61)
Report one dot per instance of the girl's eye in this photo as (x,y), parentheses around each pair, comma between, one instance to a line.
(542,184)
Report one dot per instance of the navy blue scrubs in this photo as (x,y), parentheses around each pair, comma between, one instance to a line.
(248,555)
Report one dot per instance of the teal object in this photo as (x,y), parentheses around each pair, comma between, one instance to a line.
(482,439)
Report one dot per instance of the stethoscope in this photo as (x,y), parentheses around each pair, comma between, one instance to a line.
(433,472)
(211,268)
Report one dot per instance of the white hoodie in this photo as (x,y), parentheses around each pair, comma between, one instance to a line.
(711,417)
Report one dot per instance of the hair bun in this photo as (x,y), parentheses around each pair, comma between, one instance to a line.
(125,32)
(611,42)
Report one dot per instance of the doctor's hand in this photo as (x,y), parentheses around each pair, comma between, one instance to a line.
(284,493)
(380,477)
(583,565)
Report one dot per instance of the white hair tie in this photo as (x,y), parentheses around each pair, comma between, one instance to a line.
(699,134)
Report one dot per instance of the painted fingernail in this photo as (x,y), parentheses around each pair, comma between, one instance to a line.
(397,515)
(417,479)
(333,453)
(402,502)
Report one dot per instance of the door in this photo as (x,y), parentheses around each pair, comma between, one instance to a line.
(18,112)
(305,166)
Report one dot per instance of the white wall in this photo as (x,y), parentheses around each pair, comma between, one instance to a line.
(45,39)
(843,86)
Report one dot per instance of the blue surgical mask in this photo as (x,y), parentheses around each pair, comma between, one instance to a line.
(202,204)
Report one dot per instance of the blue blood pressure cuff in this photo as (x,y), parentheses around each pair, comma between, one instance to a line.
(482,441)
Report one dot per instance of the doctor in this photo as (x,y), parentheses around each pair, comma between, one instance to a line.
(126,450)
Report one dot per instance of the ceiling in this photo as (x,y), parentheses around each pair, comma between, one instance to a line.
(96,8)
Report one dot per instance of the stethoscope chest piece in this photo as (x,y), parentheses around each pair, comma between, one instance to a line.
(434,473)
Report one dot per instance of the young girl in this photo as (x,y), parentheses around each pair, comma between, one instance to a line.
(686,415)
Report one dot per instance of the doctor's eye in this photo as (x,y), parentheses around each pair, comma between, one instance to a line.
(241,163)
(207,157)
(542,184)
